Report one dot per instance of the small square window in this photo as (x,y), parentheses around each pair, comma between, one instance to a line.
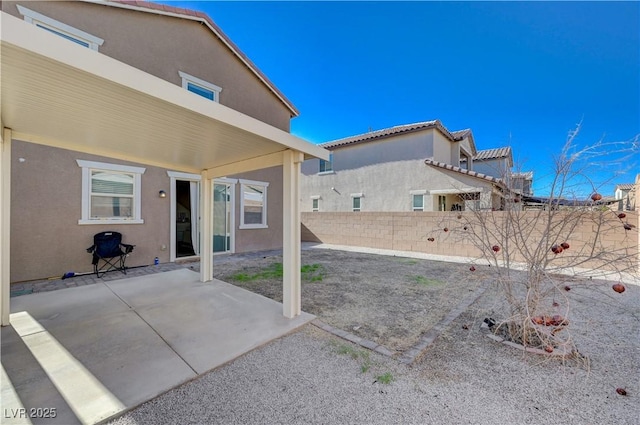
(315,204)
(200,87)
(356,203)
(418,202)
(201,91)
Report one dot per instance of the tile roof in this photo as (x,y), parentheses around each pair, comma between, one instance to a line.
(527,175)
(380,134)
(625,186)
(461,134)
(503,152)
(147,6)
(475,174)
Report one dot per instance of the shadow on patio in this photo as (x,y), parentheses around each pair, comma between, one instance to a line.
(97,350)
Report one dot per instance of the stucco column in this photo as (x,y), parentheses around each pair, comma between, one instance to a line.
(206,228)
(291,298)
(5,225)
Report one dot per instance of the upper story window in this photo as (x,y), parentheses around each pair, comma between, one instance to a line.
(110,193)
(60,29)
(253,204)
(326,166)
(200,87)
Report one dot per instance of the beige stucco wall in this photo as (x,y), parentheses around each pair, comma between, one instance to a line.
(442,149)
(416,145)
(46,239)
(410,231)
(270,238)
(386,186)
(162,46)
(496,167)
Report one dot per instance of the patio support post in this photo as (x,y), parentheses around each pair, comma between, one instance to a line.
(5,224)
(206,228)
(291,299)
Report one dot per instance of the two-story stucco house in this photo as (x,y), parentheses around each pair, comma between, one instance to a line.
(143,119)
(414,167)
(498,162)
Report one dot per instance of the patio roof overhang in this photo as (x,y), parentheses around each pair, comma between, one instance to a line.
(60,94)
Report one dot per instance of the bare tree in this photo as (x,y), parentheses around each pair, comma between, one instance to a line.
(572,230)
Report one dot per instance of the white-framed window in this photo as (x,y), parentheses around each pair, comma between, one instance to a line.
(356,201)
(110,193)
(326,167)
(60,29)
(315,203)
(253,204)
(417,199)
(200,87)
(418,203)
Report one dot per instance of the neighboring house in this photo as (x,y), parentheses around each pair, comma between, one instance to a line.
(625,194)
(132,157)
(414,167)
(498,162)
(522,183)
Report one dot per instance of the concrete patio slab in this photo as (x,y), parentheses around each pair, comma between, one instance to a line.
(207,324)
(94,351)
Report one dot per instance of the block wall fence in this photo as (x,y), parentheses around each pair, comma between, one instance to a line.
(410,231)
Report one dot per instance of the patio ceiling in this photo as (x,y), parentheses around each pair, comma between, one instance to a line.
(60,94)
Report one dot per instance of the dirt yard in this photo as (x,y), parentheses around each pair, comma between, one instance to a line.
(390,300)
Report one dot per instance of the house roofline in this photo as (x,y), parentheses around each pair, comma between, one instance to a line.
(389,132)
(177,12)
(459,170)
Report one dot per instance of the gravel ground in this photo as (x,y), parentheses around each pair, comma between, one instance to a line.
(389,300)
(312,377)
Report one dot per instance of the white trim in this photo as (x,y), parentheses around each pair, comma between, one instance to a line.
(413,194)
(186,79)
(455,191)
(184,176)
(357,195)
(36,18)
(174,176)
(264,224)
(110,167)
(353,198)
(232,225)
(226,180)
(316,197)
(324,173)
(254,182)
(137,172)
(5,225)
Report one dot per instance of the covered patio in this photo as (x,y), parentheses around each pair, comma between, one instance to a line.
(57,94)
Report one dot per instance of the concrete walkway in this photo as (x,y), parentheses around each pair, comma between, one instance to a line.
(82,355)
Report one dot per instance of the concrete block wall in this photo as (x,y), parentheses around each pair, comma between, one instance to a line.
(410,231)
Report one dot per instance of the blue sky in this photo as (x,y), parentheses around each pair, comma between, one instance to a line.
(516,73)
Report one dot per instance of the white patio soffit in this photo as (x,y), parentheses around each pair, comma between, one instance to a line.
(68,96)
